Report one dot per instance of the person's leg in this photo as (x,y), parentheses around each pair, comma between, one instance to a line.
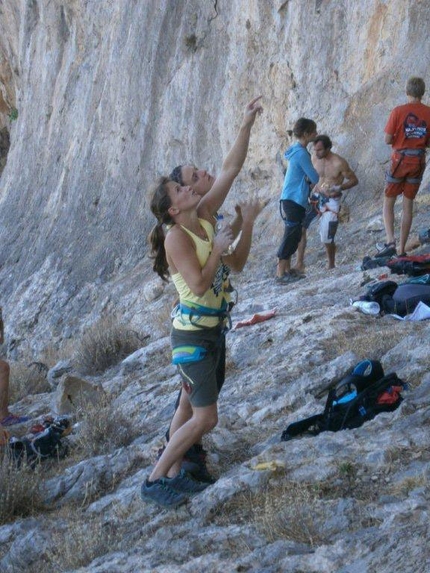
(283,266)
(405,227)
(388,214)
(4,389)
(202,421)
(331,254)
(294,215)
(182,414)
(300,261)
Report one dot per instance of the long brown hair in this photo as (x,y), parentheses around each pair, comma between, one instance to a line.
(160,204)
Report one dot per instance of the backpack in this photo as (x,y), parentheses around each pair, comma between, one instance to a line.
(406,298)
(376,292)
(43,441)
(399,299)
(413,265)
(357,398)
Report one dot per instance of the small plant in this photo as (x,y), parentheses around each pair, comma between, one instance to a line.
(103,429)
(410,483)
(105,344)
(347,469)
(191,42)
(13,114)
(19,491)
(27,379)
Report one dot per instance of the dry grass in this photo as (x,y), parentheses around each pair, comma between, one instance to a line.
(285,510)
(105,344)
(25,380)
(104,428)
(367,340)
(298,511)
(83,540)
(408,484)
(19,490)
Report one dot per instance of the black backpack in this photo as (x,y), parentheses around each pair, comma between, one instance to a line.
(377,291)
(398,299)
(44,442)
(358,397)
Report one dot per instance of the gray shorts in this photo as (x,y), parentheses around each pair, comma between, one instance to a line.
(199,374)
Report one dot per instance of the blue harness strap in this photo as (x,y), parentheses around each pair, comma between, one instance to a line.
(195,311)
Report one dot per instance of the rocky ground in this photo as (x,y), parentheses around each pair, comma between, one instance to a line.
(355,501)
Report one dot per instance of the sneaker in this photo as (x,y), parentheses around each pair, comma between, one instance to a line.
(185,483)
(195,464)
(160,493)
(424,236)
(296,274)
(388,250)
(11,420)
(287,279)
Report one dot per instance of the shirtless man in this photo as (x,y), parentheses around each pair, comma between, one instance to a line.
(336,176)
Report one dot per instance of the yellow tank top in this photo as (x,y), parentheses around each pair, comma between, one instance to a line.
(214,298)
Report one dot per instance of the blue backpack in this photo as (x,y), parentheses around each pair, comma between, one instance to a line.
(358,397)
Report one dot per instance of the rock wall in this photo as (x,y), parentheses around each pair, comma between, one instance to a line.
(99,98)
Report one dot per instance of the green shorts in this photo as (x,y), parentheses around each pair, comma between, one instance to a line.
(199,362)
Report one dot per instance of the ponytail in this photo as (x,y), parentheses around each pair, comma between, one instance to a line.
(158,253)
(160,204)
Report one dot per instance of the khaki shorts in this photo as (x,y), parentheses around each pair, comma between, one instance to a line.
(329,222)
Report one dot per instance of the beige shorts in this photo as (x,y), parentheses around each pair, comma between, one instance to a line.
(329,221)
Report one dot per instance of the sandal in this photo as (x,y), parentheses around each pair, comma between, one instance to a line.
(389,250)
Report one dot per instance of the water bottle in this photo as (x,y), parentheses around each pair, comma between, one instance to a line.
(219,225)
(367,307)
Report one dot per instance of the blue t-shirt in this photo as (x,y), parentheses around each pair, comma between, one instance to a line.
(296,187)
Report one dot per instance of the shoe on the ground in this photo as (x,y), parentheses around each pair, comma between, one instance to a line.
(287,279)
(185,483)
(403,255)
(161,493)
(424,236)
(194,463)
(11,420)
(388,250)
(295,273)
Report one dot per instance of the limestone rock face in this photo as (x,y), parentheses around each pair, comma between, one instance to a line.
(99,98)
(74,394)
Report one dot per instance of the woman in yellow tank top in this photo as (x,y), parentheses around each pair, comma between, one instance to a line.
(192,255)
